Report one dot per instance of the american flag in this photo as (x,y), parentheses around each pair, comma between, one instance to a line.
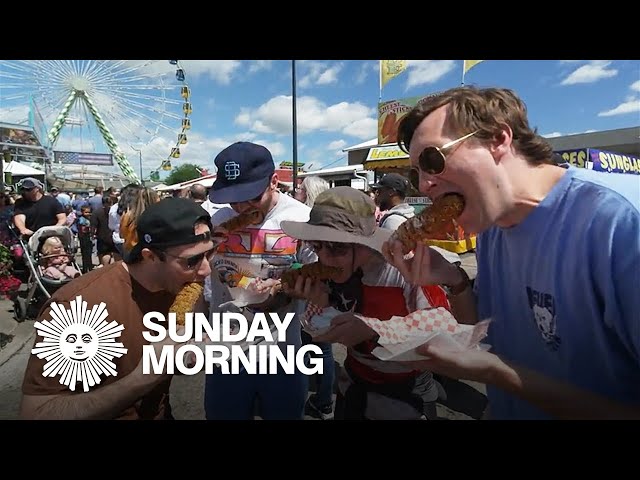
(77,158)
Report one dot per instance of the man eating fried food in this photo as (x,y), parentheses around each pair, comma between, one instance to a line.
(251,260)
(172,254)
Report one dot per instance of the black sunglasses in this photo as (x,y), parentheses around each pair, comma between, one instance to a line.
(432,160)
(195,261)
(335,249)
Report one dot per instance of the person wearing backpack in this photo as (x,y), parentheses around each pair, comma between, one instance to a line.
(391,192)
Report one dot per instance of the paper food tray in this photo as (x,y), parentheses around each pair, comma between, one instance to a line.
(400,336)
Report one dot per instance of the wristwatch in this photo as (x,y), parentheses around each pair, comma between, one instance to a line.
(457,289)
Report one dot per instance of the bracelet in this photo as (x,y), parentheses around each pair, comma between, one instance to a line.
(453,290)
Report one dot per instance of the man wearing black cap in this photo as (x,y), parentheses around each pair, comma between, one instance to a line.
(36,210)
(246,180)
(390,194)
(174,249)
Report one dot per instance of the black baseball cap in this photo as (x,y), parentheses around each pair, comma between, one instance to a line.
(168,223)
(395,181)
(244,172)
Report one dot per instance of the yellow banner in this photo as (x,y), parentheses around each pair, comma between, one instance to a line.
(468,64)
(390,69)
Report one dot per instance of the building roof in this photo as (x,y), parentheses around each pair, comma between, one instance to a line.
(333,171)
(624,141)
(362,146)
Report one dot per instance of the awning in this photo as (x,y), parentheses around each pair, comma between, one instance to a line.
(386,156)
(18,169)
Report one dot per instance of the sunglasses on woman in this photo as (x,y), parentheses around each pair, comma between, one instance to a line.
(432,160)
(335,249)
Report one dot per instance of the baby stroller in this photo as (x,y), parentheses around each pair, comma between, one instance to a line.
(39,287)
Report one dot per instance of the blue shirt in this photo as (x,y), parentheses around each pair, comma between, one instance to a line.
(562,289)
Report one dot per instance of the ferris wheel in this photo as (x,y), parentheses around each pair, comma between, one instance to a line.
(121,107)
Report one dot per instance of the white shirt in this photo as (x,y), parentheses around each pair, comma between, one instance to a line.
(263,251)
(114,224)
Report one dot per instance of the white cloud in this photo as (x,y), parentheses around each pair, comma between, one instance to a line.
(259,65)
(221,71)
(635,86)
(330,75)
(630,106)
(318,73)
(552,135)
(363,71)
(421,72)
(364,129)
(275,117)
(337,145)
(590,73)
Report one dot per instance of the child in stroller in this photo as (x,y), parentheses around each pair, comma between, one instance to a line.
(56,262)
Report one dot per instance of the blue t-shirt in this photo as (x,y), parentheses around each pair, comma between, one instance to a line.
(562,289)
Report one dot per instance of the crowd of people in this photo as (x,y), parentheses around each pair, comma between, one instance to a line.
(558,249)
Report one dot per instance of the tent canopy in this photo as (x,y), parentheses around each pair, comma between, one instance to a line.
(17,169)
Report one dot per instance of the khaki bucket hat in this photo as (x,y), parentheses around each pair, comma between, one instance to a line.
(341,214)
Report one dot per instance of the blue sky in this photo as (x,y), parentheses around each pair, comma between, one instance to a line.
(337,103)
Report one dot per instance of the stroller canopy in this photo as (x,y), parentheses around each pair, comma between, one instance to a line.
(65,234)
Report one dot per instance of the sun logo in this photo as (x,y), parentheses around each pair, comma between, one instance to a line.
(79,344)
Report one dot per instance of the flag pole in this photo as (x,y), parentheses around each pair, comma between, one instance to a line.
(380,79)
(463,72)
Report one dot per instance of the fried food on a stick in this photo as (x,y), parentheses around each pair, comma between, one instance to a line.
(128,231)
(314,270)
(252,217)
(430,221)
(186,300)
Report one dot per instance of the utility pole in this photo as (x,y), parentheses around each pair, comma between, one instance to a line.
(295,126)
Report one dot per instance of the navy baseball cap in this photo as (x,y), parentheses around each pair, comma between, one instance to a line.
(244,172)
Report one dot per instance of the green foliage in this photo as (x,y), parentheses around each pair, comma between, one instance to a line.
(183,173)
(6,261)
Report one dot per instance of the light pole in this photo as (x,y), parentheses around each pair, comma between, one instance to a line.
(140,158)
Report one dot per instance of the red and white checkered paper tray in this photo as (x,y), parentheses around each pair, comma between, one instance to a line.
(400,336)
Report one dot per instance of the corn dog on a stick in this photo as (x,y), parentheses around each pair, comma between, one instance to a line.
(185,301)
(430,221)
(128,231)
(243,220)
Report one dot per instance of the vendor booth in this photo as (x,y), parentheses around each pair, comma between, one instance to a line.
(14,171)
(601,160)
(387,157)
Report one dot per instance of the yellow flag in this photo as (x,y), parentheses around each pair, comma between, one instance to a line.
(468,64)
(390,69)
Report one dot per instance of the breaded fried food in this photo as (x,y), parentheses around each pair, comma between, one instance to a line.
(186,300)
(314,270)
(252,217)
(430,221)
(128,231)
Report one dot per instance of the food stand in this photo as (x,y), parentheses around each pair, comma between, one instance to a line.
(601,160)
(387,157)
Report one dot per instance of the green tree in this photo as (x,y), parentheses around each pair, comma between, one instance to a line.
(183,173)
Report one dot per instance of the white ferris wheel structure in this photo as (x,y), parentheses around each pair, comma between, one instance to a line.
(117,107)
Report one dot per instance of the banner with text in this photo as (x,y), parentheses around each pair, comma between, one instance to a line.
(391,112)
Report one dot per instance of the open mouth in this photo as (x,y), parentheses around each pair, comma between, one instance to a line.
(453,203)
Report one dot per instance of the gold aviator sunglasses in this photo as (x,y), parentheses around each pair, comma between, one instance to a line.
(432,160)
